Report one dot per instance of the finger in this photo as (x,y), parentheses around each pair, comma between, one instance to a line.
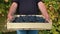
(47,20)
(8,20)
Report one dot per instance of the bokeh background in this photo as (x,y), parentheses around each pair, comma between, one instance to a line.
(53,7)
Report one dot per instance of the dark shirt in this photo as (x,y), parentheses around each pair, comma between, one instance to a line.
(27,7)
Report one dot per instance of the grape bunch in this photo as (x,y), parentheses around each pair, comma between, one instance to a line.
(29,19)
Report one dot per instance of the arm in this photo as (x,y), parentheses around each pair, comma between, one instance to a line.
(43,10)
(12,10)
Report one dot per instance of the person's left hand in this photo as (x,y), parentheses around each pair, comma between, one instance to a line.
(47,19)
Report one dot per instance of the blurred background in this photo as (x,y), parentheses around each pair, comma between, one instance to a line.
(53,7)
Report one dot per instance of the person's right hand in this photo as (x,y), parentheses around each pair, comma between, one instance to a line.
(10,18)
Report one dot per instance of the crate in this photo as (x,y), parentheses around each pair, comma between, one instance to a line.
(29,26)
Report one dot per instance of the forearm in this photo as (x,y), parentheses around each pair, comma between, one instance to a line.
(43,10)
(12,9)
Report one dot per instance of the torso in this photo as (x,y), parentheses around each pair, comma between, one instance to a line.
(28,7)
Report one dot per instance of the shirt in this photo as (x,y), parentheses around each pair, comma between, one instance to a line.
(27,7)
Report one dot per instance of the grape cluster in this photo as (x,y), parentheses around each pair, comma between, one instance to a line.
(29,19)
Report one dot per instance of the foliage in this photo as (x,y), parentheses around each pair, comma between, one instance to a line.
(3,13)
(53,7)
(0,33)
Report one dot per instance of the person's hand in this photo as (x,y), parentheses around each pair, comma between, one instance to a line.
(10,18)
(47,19)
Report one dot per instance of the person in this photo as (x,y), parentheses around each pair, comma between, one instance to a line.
(28,7)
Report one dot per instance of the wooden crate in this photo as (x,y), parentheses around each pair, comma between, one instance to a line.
(29,26)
